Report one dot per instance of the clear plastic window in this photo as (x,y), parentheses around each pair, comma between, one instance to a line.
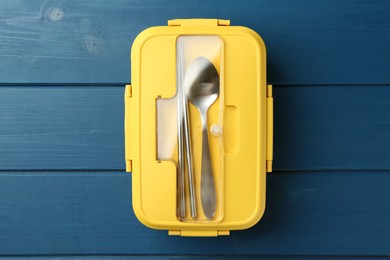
(190,130)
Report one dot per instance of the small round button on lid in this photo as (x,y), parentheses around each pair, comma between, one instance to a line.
(216,129)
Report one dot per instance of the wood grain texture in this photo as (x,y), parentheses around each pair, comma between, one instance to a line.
(316,128)
(320,42)
(63,192)
(330,213)
(187,257)
(61,128)
(336,127)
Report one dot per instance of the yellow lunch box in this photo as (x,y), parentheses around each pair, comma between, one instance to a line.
(198,127)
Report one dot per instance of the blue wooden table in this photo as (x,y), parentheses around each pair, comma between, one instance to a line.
(63,186)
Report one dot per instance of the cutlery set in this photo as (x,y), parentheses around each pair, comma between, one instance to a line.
(201,89)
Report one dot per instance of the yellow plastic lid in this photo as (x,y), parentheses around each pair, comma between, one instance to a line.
(247,128)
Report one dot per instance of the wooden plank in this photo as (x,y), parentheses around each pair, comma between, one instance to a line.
(68,213)
(186,257)
(332,128)
(321,42)
(321,128)
(61,128)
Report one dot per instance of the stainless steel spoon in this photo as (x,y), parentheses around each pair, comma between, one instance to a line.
(202,89)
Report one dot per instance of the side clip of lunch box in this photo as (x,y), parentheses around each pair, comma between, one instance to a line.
(198,127)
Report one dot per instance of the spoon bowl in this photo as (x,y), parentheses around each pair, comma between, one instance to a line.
(201,83)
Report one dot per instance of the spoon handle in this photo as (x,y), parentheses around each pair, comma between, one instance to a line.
(207,180)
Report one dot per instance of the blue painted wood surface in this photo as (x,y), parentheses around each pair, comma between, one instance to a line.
(310,42)
(308,213)
(62,127)
(81,128)
(63,189)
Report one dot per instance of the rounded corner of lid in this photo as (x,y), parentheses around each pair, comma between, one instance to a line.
(253,35)
(257,215)
(143,36)
(143,218)
(254,219)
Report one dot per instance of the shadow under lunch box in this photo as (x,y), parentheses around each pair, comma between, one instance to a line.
(198,127)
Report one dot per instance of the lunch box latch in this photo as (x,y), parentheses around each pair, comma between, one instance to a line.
(198,22)
(129,140)
(199,233)
(270,129)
